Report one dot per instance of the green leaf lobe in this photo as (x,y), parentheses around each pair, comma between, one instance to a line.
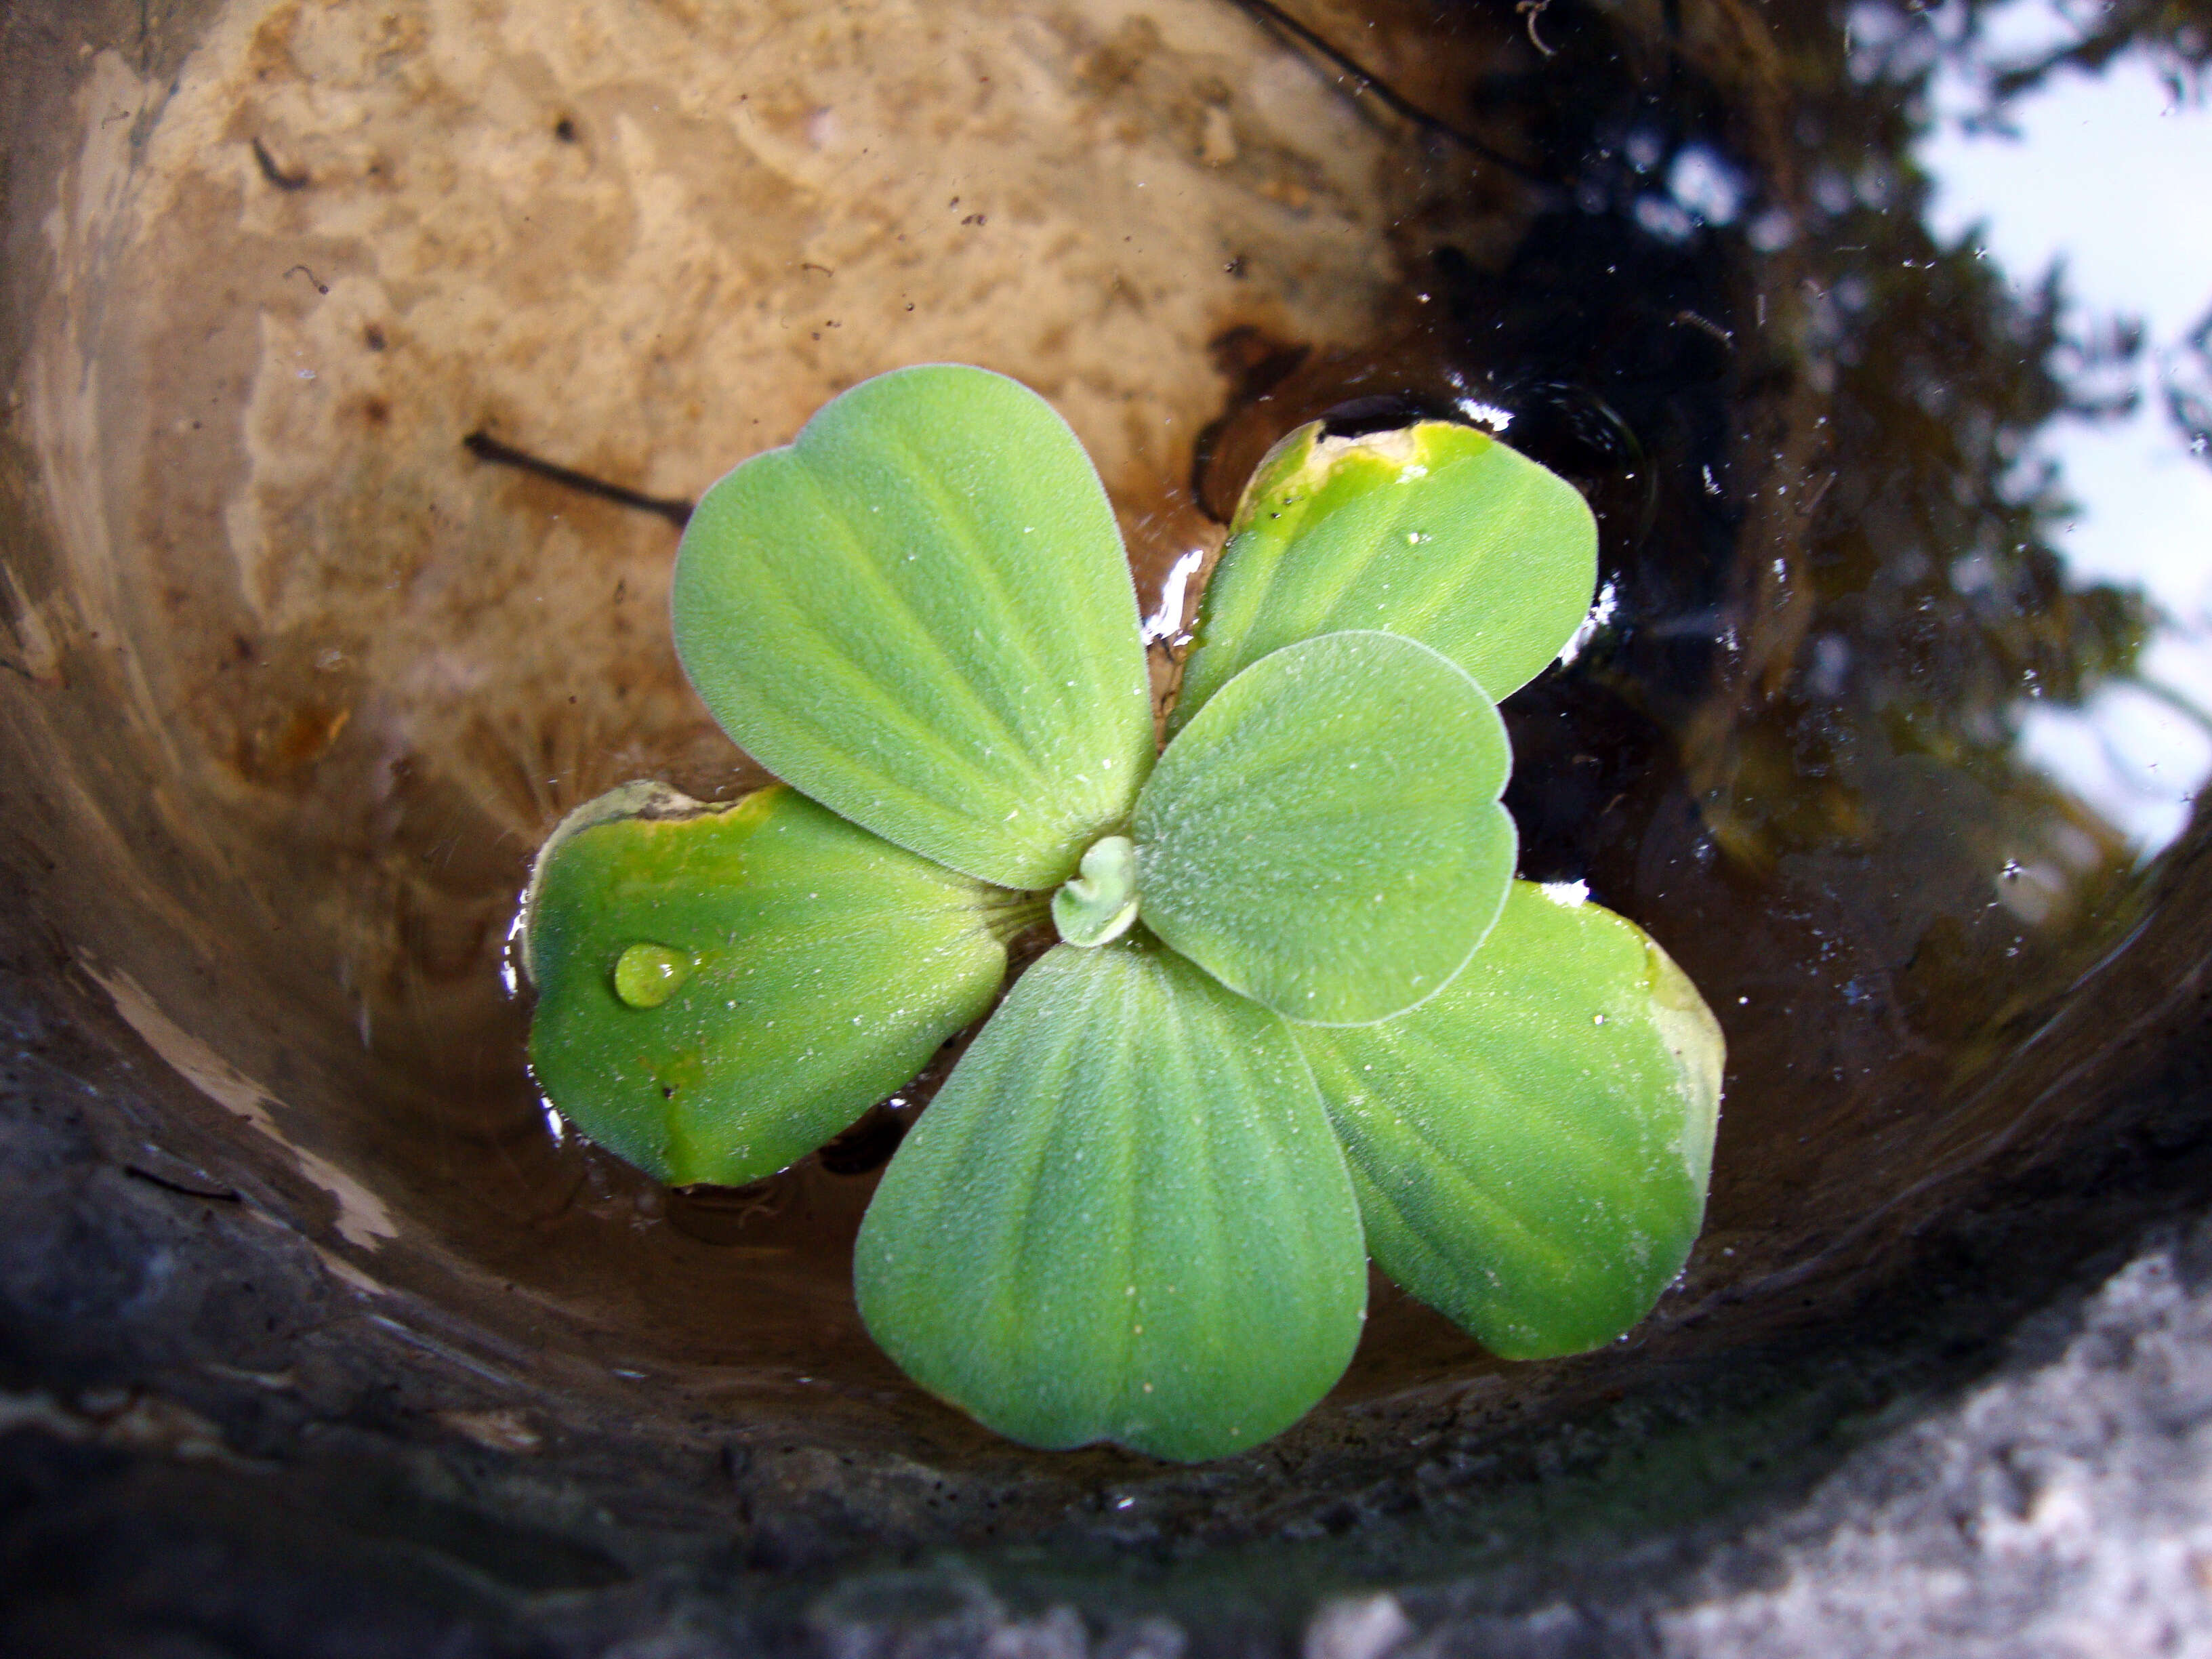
(1531,1147)
(1325,837)
(722,989)
(1123,1218)
(918,614)
(1435,531)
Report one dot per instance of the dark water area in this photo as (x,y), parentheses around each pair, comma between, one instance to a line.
(300,677)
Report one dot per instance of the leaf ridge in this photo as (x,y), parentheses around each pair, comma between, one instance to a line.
(962,527)
(1436,1160)
(895,599)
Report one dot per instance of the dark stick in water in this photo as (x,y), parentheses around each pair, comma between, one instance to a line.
(485,447)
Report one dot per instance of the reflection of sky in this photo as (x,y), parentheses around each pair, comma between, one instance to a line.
(2113,177)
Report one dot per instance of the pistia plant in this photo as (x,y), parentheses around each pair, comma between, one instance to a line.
(1298,1009)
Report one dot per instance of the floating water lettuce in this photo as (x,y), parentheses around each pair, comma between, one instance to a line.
(1299,1010)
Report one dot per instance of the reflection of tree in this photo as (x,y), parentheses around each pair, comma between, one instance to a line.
(2189,389)
(1806,422)
(2176,35)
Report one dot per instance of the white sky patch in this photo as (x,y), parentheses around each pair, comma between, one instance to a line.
(2111,175)
(1706,187)
(1168,619)
(1601,613)
(510,958)
(1664,218)
(2135,758)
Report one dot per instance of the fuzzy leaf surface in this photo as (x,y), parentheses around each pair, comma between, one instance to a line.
(918,614)
(1124,1218)
(1326,836)
(815,969)
(1531,1147)
(1435,531)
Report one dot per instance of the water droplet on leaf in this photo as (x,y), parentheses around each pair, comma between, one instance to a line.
(646,976)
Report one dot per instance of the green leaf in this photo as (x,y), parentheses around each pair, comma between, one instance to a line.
(1326,836)
(1123,1219)
(1437,532)
(720,989)
(1531,1148)
(918,614)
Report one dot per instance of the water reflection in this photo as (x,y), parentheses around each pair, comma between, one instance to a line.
(2070,169)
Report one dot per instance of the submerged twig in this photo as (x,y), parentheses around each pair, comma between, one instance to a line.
(485,447)
(276,175)
(1532,9)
